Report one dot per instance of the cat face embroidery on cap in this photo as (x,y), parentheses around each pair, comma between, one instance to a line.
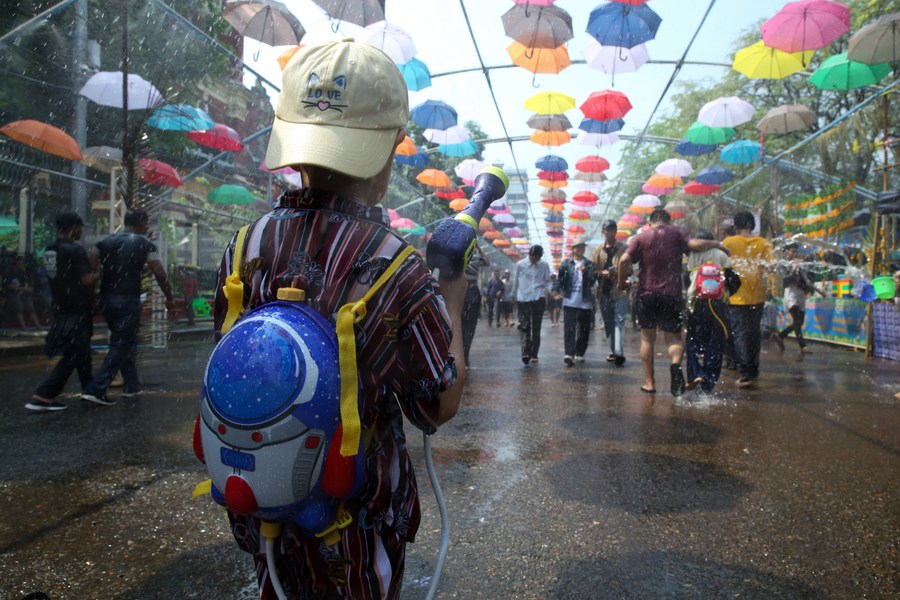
(326,95)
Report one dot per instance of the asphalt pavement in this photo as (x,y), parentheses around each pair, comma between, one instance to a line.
(563,483)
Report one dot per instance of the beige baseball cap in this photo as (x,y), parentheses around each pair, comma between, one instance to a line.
(341,106)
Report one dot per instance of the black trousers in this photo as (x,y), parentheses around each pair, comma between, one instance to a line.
(745,330)
(530,316)
(576,330)
(798,315)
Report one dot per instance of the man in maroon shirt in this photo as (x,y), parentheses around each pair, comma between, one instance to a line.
(660,299)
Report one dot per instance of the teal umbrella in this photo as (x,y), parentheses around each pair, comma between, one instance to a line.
(840,73)
(231,194)
(8,224)
(698,133)
(180,117)
(416,75)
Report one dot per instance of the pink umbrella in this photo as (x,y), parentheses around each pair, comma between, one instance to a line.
(220,137)
(806,25)
(403,223)
(505,219)
(468,170)
(393,215)
(513,232)
(649,188)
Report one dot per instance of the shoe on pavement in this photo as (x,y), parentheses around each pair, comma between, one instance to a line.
(677,380)
(805,350)
(745,382)
(620,360)
(97,399)
(534,360)
(526,360)
(569,360)
(778,341)
(41,404)
(610,358)
(579,359)
(133,394)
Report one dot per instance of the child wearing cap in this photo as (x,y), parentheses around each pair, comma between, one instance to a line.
(341,113)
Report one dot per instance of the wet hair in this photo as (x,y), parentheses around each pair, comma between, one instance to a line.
(536,250)
(744,220)
(704,234)
(609,224)
(137,217)
(660,215)
(68,219)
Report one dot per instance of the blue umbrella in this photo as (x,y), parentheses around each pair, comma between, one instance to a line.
(622,25)
(595,126)
(689,148)
(552,163)
(741,152)
(416,160)
(416,75)
(714,175)
(434,114)
(180,117)
(466,148)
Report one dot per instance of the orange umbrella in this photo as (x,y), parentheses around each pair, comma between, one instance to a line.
(287,55)
(493,234)
(407,147)
(539,60)
(555,185)
(664,181)
(43,137)
(484,224)
(501,243)
(580,216)
(553,204)
(550,138)
(434,178)
(458,204)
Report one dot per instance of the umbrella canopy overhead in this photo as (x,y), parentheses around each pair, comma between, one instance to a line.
(840,73)
(741,152)
(613,59)
(758,61)
(268,21)
(416,75)
(550,138)
(231,194)
(420,159)
(220,137)
(180,117)
(549,122)
(728,111)
(674,167)
(786,118)
(434,178)
(594,126)
(877,42)
(592,164)
(606,105)
(597,139)
(715,175)
(456,134)
(550,103)
(688,148)
(469,169)
(695,188)
(538,27)
(551,163)
(622,25)
(539,60)
(392,40)
(105,88)
(358,12)
(158,172)
(434,114)
(806,25)
(102,158)
(460,149)
(698,133)
(44,137)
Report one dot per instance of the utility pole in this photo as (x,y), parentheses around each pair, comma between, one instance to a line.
(79,70)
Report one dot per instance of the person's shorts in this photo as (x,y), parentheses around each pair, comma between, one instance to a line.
(657,310)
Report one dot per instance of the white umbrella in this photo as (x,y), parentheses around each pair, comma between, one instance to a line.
(105,88)
(102,158)
(674,167)
(393,40)
(728,111)
(597,139)
(452,135)
(469,169)
(646,201)
(613,59)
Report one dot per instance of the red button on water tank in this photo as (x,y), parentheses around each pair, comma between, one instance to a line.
(239,497)
(256,437)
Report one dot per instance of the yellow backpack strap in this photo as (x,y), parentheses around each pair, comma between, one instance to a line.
(348,315)
(234,287)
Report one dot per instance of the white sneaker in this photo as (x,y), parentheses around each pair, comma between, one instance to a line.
(579,359)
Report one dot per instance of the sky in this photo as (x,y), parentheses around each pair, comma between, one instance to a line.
(443,42)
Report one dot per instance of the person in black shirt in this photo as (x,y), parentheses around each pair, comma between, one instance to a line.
(122,259)
(71,281)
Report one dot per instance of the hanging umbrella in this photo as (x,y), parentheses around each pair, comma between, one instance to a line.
(606,105)
(512,232)
(553,194)
(840,73)
(729,111)
(589,177)
(806,25)
(158,172)
(614,59)
(877,42)
(492,235)
(698,133)
(585,198)
(539,60)
(595,126)
(105,88)
(550,138)
(180,117)
(392,40)
(758,61)
(597,139)
(553,175)
(451,193)
(407,147)
(580,216)
(403,223)
(434,114)
(433,178)
(617,24)
(469,169)
(458,150)
(550,103)
(575,230)
(549,122)
(285,57)
(220,137)
(551,163)
(268,21)
(538,27)
(553,216)
(456,134)
(231,194)
(648,188)
(674,167)
(740,152)
(498,207)
(786,118)
(505,219)
(458,204)
(358,12)
(592,164)
(687,148)
(664,181)
(485,224)
(553,184)
(715,175)
(695,188)
(102,158)
(44,137)
(416,75)
(501,243)
(414,160)
(676,208)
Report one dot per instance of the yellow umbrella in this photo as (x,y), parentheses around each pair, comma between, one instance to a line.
(539,60)
(758,61)
(550,138)
(550,103)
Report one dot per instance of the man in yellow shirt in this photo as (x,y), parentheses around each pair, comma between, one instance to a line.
(750,255)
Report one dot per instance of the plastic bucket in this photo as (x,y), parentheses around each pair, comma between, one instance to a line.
(884,287)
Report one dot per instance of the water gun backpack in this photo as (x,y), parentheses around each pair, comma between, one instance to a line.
(278,426)
(710,281)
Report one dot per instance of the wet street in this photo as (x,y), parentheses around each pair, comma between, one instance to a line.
(560,483)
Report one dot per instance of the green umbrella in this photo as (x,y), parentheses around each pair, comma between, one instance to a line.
(231,194)
(698,133)
(840,73)
(8,223)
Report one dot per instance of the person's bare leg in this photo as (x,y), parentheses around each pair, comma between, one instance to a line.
(676,347)
(648,340)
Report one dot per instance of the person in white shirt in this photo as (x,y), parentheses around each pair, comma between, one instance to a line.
(576,280)
(529,293)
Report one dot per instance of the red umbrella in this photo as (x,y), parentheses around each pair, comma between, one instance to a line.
(606,105)
(450,194)
(700,189)
(553,175)
(585,197)
(592,164)
(158,172)
(220,137)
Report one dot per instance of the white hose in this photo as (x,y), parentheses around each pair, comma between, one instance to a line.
(273,573)
(445,521)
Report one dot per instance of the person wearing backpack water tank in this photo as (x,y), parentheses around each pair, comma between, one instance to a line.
(660,302)
(707,326)
(341,113)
